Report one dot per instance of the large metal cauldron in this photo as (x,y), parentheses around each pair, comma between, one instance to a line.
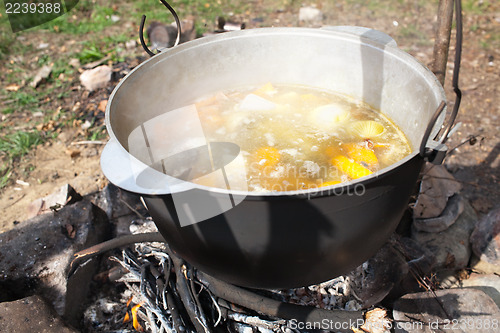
(285,239)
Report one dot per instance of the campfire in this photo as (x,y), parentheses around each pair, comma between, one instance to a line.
(168,294)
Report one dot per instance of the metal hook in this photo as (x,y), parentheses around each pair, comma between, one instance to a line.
(143,21)
(456,70)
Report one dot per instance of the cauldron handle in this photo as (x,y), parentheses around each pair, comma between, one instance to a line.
(177,23)
(435,151)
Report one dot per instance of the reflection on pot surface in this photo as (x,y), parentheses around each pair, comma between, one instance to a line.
(174,145)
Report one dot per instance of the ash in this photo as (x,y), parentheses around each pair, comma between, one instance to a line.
(330,295)
(148,289)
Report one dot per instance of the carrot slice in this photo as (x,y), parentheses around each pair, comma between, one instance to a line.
(267,156)
(333,182)
(267,89)
(360,154)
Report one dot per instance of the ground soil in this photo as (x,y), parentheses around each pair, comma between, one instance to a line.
(63,160)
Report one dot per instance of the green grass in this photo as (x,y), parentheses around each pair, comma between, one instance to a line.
(476,6)
(26,99)
(92,18)
(18,144)
(14,146)
(5,174)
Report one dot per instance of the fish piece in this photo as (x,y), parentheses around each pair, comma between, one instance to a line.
(328,116)
(350,168)
(256,103)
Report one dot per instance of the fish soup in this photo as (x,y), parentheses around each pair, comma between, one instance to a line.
(295,137)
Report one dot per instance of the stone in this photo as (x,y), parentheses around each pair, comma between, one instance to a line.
(35,256)
(451,247)
(436,187)
(310,14)
(96,78)
(30,314)
(116,203)
(74,62)
(188,31)
(485,238)
(160,35)
(454,207)
(448,310)
(130,45)
(420,262)
(372,281)
(489,283)
(42,74)
(483,267)
(120,206)
(65,195)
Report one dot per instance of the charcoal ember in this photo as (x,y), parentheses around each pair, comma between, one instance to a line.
(106,311)
(428,312)
(31,314)
(485,238)
(451,247)
(35,257)
(372,281)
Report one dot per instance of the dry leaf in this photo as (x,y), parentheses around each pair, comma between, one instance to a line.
(12,87)
(72,152)
(102,105)
(376,321)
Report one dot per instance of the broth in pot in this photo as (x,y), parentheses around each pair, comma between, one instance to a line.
(295,137)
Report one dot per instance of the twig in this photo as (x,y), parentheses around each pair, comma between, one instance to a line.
(132,209)
(76,143)
(256,321)
(114,243)
(442,39)
(186,296)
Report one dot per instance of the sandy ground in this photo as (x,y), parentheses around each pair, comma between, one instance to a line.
(476,166)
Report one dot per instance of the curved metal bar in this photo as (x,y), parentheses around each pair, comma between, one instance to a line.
(428,130)
(456,70)
(177,23)
(141,37)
